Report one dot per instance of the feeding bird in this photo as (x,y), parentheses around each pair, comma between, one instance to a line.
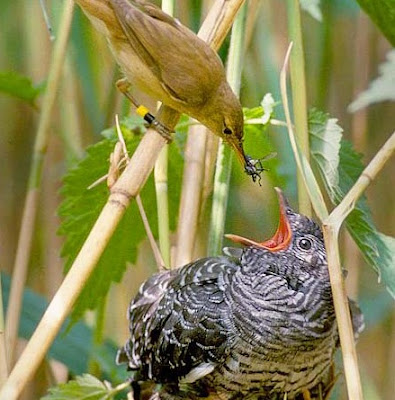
(166,60)
(256,324)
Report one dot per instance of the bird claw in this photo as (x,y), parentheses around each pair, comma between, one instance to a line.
(163,130)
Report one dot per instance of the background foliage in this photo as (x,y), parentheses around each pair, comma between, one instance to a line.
(343,55)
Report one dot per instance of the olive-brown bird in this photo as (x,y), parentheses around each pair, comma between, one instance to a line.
(170,63)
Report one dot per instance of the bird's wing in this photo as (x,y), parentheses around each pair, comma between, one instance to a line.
(187,68)
(183,333)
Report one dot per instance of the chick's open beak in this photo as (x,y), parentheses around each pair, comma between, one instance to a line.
(281,238)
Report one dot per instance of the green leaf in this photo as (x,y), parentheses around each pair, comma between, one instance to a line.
(386,260)
(326,144)
(19,86)
(377,250)
(313,8)
(382,14)
(73,349)
(380,89)
(83,388)
(81,207)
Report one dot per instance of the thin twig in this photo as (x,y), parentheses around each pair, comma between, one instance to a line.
(127,187)
(31,201)
(155,249)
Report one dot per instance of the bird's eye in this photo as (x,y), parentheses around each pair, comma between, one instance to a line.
(227,131)
(305,244)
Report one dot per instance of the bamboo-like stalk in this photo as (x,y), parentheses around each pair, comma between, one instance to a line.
(224,155)
(127,187)
(331,228)
(162,204)
(336,276)
(192,186)
(3,353)
(298,83)
(161,183)
(31,201)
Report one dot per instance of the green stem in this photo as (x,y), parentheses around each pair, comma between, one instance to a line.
(298,83)
(31,201)
(161,183)
(326,56)
(3,353)
(224,157)
(98,335)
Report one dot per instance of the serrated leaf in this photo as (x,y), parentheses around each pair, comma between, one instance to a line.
(381,88)
(313,8)
(382,14)
(359,223)
(83,388)
(81,207)
(326,144)
(386,250)
(19,86)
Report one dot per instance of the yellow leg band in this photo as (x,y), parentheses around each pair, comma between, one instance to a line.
(142,111)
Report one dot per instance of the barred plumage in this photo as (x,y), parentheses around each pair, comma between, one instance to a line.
(255,324)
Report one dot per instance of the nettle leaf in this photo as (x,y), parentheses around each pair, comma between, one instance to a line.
(382,14)
(81,207)
(377,249)
(386,250)
(326,144)
(313,8)
(381,88)
(84,387)
(19,86)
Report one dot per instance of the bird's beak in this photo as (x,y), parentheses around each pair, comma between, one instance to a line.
(281,238)
(248,163)
(238,148)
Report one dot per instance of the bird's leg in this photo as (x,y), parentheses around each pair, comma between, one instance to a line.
(123,86)
(306,394)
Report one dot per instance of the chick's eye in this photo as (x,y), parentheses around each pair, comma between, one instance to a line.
(227,131)
(305,244)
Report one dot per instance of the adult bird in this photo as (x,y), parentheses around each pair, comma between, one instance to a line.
(166,60)
(258,323)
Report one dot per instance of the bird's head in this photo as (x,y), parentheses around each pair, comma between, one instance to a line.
(297,244)
(227,121)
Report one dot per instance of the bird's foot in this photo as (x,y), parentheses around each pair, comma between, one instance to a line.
(163,130)
(123,86)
